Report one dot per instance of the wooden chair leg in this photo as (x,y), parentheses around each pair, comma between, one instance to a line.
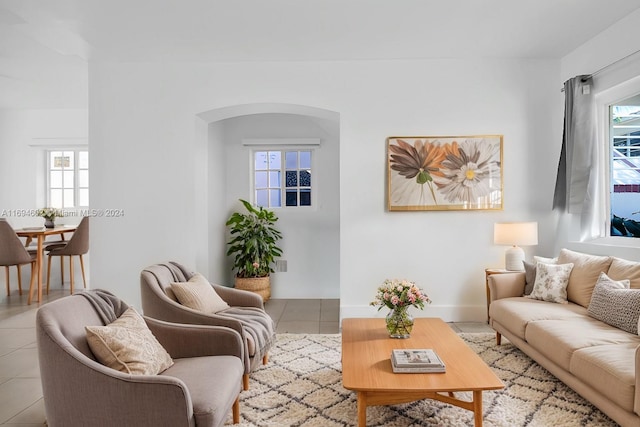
(19,267)
(265,358)
(71,274)
(48,273)
(498,338)
(62,270)
(6,279)
(32,281)
(84,280)
(236,411)
(245,382)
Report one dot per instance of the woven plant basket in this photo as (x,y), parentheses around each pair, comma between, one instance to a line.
(259,285)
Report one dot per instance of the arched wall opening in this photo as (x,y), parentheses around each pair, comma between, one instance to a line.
(311,236)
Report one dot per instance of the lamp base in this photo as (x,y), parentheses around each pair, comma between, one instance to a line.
(513,259)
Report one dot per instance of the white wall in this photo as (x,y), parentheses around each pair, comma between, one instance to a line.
(144,141)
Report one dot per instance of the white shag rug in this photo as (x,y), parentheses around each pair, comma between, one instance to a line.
(302,386)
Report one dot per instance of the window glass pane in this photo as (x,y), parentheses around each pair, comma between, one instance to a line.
(292,198)
(83,160)
(305,197)
(261,179)
(68,198)
(292,179)
(56,199)
(275,198)
(67,179)
(274,159)
(55,179)
(262,198)
(56,160)
(305,179)
(83,178)
(68,159)
(274,179)
(261,160)
(83,197)
(291,160)
(305,160)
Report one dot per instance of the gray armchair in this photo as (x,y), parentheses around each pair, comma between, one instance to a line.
(199,390)
(246,314)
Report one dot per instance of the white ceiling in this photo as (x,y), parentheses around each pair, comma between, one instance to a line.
(45,44)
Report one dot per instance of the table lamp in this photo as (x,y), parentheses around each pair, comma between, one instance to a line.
(515,234)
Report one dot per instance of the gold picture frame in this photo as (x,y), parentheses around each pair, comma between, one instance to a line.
(427,173)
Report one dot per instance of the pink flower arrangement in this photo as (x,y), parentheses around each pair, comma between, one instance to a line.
(400,293)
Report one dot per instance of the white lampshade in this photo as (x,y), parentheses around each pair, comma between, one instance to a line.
(515,234)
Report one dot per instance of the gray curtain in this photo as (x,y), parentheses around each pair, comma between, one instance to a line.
(572,193)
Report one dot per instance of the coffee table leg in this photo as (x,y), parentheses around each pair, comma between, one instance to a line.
(362,409)
(477,408)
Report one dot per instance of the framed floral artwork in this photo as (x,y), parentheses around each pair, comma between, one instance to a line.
(444,173)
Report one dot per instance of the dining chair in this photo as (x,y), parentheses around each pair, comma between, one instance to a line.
(77,245)
(13,252)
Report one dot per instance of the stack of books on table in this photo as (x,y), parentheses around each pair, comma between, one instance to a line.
(416,361)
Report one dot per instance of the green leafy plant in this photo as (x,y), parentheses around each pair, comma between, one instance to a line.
(253,241)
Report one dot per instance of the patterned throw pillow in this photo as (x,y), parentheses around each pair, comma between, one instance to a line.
(551,282)
(198,294)
(616,305)
(127,345)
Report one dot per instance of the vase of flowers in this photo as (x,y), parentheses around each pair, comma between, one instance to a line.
(399,295)
(49,215)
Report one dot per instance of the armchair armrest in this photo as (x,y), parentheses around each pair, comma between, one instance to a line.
(636,404)
(239,297)
(506,285)
(183,340)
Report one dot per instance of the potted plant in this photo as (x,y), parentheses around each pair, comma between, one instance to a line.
(49,215)
(253,246)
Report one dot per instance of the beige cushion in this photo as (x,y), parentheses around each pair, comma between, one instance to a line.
(616,305)
(127,345)
(551,282)
(198,294)
(585,273)
(622,269)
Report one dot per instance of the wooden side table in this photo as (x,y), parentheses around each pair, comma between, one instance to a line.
(488,272)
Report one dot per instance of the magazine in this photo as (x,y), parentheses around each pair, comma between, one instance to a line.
(416,360)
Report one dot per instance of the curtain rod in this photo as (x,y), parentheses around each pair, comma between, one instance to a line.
(600,70)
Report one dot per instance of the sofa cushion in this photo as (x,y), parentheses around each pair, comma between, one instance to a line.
(608,369)
(585,273)
(210,407)
(127,345)
(551,282)
(198,294)
(613,303)
(529,276)
(621,269)
(516,313)
(559,339)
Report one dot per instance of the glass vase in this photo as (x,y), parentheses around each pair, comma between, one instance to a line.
(399,323)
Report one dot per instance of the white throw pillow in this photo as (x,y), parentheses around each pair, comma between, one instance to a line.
(198,294)
(127,345)
(551,282)
(545,260)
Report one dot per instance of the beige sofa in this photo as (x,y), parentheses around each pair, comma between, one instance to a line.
(599,361)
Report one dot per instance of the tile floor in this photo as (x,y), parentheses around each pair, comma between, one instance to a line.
(21,403)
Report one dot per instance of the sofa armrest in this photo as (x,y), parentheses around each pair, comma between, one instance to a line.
(506,285)
(182,340)
(636,404)
(239,297)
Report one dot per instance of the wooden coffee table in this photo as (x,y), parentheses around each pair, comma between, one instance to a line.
(366,367)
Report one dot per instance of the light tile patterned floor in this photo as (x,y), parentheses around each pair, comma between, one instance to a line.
(21,403)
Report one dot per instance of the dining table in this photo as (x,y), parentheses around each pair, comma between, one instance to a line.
(40,234)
